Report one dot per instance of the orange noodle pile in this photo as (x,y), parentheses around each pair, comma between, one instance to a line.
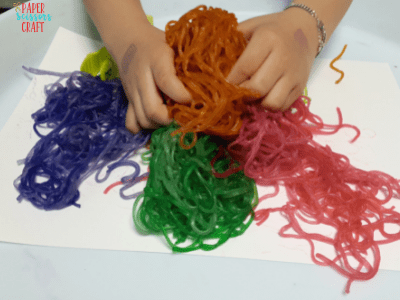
(207,43)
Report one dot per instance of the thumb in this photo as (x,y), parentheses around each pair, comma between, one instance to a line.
(167,81)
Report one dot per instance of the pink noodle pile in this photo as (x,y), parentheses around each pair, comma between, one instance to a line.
(277,149)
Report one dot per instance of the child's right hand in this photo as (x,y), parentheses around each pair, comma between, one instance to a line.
(147,71)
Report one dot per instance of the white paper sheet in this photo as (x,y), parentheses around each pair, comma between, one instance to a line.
(368,97)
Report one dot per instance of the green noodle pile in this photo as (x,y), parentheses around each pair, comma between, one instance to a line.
(185,202)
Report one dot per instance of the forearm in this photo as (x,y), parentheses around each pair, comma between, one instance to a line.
(118,22)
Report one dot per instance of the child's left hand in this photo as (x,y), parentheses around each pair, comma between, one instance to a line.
(278,58)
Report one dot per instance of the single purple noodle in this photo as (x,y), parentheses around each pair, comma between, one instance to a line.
(128,183)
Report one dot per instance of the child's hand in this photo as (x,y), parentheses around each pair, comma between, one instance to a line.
(277,61)
(147,70)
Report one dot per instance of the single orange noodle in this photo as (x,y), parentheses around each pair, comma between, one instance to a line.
(336,69)
(207,44)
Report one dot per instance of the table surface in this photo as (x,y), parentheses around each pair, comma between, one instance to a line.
(33,272)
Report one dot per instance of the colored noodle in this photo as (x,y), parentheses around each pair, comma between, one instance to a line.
(277,149)
(185,202)
(336,69)
(87,132)
(206,44)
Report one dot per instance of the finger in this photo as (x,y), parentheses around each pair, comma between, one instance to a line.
(277,97)
(152,112)
(248,63)
(292,97)
(247,27)
(266,76)
(135,99)
(130,120)
(164,74)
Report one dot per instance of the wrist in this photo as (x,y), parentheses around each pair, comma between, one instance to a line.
(121,36)
(300,19)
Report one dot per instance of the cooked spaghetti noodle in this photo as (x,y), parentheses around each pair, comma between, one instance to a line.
(277,150)
(206,44)
(185,202)
(336,69)
(85,118)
